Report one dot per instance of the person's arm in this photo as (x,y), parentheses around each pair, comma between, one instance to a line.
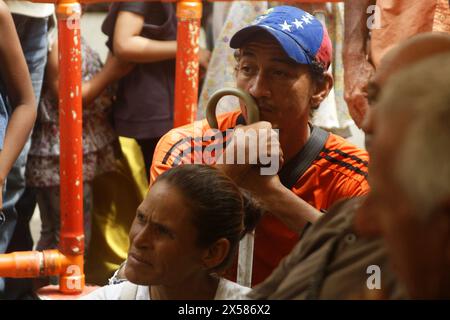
(130,46)
(357,69)
(292,210)
(14,71)
(112,71)
(277,200)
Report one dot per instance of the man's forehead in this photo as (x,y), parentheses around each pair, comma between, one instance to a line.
(264,42)
(259,36)
(389,65)
(268,47)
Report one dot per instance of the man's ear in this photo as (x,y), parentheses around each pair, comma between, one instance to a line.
(216,253)
(322,89)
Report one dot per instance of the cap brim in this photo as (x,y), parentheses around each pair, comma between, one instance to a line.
(293,49)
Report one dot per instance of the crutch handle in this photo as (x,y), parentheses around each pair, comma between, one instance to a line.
(250,104)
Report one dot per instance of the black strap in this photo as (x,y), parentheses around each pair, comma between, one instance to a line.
(296,167)
(240,120)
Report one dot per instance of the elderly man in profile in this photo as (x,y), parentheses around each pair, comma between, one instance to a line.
(410,176)
(404,222)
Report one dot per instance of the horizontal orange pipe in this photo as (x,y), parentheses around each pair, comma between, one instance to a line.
(31,264)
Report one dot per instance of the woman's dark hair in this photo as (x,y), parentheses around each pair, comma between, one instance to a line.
(221,209)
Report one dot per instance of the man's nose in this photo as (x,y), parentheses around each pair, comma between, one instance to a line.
(368,122)
(368,126)
(259,86)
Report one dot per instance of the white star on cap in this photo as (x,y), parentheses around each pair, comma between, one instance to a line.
(307,19)
(259,19)
(285,26)
(298,24)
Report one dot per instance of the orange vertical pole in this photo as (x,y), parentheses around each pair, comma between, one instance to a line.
(189,14)
(71,242)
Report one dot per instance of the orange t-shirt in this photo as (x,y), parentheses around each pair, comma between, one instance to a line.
(340,171)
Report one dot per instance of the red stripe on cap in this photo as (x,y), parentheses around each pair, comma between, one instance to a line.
(325,51)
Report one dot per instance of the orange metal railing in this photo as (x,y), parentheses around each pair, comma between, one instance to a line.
(67,262)
(189,14)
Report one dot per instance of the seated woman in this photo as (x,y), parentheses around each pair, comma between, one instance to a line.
(186,231)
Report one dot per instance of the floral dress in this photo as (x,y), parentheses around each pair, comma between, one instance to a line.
(100,144)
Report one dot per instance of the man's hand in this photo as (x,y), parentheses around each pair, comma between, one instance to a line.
(267,189)
(259,185)
(357,75)
(252,145)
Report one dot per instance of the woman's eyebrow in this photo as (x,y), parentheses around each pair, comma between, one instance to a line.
(164,227)
(140,212)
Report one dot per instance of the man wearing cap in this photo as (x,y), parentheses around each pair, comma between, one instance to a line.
(282,62)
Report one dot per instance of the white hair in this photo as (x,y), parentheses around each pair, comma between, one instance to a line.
(420,95)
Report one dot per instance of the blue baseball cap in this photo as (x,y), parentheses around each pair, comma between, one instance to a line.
(300,34)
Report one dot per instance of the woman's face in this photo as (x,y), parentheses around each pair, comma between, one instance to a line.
(163,248)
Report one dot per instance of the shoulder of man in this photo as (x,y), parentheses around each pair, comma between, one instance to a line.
(180,142)
(344,157)
(313,238)
(342,169)
(332,262)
